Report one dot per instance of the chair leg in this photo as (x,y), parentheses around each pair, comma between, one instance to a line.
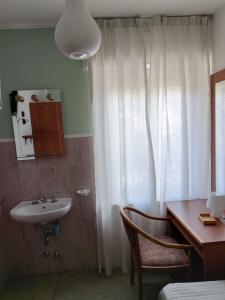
(140,285)
(189,275)
(132,270)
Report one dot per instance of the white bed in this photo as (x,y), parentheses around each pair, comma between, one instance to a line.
(208,290)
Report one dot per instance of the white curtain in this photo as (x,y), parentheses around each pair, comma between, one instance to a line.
(150,84)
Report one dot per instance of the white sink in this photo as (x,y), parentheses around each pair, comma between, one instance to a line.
(41,212)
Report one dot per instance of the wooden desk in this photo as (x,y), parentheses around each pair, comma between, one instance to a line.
(208,240)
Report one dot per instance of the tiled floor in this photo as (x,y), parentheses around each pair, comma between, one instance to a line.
(79,286)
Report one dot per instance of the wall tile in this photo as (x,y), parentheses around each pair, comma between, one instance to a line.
(23,180)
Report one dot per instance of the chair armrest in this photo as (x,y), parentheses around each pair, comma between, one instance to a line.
(149,236)
(147,215)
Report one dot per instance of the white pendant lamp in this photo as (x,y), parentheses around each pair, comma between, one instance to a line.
(77,35)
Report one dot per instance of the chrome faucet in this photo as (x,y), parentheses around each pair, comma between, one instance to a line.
(43,199)
(35,201)
(53,199)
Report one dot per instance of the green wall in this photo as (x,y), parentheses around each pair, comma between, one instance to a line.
(29,59)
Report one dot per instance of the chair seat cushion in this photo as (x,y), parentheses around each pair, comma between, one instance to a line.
(155,255)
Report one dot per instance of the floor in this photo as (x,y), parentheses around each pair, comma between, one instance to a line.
(79,286)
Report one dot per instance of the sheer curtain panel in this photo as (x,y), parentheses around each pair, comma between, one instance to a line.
(150,85)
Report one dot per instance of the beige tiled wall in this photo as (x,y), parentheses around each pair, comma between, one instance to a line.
(5,263)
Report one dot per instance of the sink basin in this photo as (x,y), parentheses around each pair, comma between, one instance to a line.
(28,212)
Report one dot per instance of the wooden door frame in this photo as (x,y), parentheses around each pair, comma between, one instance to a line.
(215,78)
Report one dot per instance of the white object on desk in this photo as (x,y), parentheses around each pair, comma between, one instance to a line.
(216,202)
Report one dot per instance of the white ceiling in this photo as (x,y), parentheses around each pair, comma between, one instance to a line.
(41,13)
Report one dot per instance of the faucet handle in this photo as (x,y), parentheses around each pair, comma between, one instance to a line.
(35,201)
(43,198)
(53,199)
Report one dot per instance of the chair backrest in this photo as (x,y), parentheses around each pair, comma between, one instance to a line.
(132,234)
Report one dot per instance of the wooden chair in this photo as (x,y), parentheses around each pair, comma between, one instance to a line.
(152,253)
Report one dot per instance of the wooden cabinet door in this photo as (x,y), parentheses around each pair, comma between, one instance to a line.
(47,128)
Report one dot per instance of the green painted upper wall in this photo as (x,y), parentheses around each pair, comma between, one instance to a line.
(29,60)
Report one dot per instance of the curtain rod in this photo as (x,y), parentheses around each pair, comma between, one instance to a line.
(152,17)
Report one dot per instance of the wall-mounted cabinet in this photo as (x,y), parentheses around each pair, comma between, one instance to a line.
(47,128)
(37,123)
